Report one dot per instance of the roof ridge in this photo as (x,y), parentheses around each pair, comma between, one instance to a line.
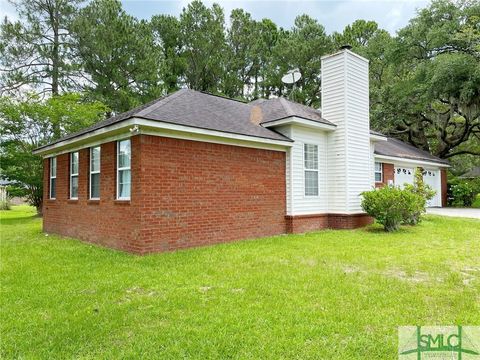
(286,106)
(221,96)
(160,102)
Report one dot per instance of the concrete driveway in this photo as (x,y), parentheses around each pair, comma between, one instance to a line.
(456,212)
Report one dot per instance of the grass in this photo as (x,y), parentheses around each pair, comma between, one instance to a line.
(476,202)
(330,294)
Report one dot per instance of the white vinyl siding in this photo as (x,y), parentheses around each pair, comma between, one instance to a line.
(310,159)
(345,102)
(53,178)
(74,175)
(123,169)
(297,202)
(94,187)
(378,172)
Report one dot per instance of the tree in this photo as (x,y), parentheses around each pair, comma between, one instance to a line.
(433,98)
(356,35)
(264,74)
(118,53)
(36,51)
(28,124)
(166,34)
(203,39)
(302,48)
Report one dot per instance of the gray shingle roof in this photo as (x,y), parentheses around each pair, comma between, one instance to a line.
(281,108)
(396,148)
(211,112)
(194,109)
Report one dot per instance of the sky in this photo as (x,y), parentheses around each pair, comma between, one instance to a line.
(391,15)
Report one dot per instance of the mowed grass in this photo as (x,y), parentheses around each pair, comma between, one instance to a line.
(325,295)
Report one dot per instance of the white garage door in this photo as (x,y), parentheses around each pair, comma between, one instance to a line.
(432,178)
(403,175)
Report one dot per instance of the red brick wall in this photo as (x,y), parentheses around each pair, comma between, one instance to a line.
(196,193)
(443,173)
(305,223)
(388,174)
(107,221)
(184,194)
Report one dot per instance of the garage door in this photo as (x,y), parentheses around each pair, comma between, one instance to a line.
(403,175)
(432,178)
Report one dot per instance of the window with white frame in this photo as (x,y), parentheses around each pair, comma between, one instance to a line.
(378,172)
(123,169)
(311,169)
(53,177)
(94,172)
(74,175)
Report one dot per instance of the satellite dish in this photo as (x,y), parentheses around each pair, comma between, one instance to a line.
(292,76)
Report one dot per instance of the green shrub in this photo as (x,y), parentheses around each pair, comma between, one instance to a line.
(425,192)
(391,206)
(463,191)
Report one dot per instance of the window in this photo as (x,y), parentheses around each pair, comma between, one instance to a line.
(123,169)
(74,175)
(378,172)
(53,177)
(95,172)
(311,169)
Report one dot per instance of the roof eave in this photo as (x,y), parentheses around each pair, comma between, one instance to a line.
(298,120)
(412,160)
(375,137)
(125,128)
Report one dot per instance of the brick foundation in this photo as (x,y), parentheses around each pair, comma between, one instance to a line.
(305,223)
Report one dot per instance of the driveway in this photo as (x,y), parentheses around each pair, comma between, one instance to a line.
(456,212)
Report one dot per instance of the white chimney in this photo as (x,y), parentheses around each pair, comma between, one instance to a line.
(345,102)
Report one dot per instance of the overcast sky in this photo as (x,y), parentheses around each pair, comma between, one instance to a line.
(334,15)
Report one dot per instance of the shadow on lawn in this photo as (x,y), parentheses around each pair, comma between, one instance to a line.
(18,220)
(378,229)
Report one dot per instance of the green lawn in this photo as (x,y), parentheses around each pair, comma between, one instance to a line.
(330,294)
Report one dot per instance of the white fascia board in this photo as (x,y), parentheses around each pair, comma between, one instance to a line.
(299,121)
(121,130)
(375,138)
(401,160)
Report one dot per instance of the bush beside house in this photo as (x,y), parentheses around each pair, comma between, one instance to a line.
(392,206)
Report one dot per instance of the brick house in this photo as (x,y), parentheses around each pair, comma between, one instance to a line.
(193,169)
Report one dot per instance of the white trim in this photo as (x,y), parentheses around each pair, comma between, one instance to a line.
(72,174)
(93,172)
(409,161)
(300,121)
(121,130)
(122,169)
(312,170)
(52,177)
(375,172)
(374,137)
